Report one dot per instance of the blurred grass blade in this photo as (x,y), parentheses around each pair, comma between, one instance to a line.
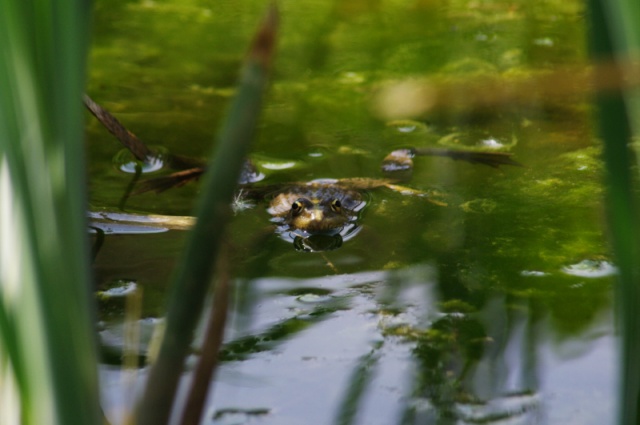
(47,349)
(359,381)
(209,354)
(624,32)
(194,273)
(609,42)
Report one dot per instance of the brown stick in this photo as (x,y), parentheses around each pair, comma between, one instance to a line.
(127,138)
(177,179)
(492,159)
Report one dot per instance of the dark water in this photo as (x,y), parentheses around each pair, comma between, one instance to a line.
(495,308)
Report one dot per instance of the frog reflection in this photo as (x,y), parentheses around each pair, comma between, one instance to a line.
(315,216)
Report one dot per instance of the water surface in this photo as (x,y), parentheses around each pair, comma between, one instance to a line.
(493,309)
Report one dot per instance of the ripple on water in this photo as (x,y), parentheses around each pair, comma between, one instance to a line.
(311,295)
(407,126)
(313,298)
(591,268)
(534,273)
(120,288)
(126,162)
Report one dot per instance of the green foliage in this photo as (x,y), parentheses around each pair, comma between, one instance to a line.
(47,350)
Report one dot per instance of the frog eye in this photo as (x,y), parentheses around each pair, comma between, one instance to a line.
(336,205)
(297,206)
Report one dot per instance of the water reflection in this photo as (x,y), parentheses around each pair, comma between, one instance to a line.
(393,348)
(471,363)
(317,243)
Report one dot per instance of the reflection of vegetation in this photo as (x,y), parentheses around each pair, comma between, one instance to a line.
(267,340)
(221,413)
(358,384)
(446,353)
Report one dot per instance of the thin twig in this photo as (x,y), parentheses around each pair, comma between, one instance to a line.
(127,138)
(205,370)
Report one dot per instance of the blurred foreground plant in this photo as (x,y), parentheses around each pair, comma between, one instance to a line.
(48,360)
(615,38)
(195,271)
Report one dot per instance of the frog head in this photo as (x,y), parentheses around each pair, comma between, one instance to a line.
(317,216)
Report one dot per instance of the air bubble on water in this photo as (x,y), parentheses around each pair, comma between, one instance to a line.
(544,41)
(313,298)
(491,143)
(533,273)
(284,165)
(126,162)
(590,268)
(407,126)
(121,288)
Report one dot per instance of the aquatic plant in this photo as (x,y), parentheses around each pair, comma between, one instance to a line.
(615,39)
(47,342)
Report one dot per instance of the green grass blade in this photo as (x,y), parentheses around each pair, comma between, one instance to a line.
(624,30)
(46,329)
(194,273)
(609,42)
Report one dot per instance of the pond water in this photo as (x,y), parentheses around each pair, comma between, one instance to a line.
(493,308)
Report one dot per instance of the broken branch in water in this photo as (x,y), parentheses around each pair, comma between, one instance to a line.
(127,138)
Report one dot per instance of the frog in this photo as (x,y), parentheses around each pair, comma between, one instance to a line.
(317,215)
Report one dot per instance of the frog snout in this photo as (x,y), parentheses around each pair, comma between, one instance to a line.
(316,215)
